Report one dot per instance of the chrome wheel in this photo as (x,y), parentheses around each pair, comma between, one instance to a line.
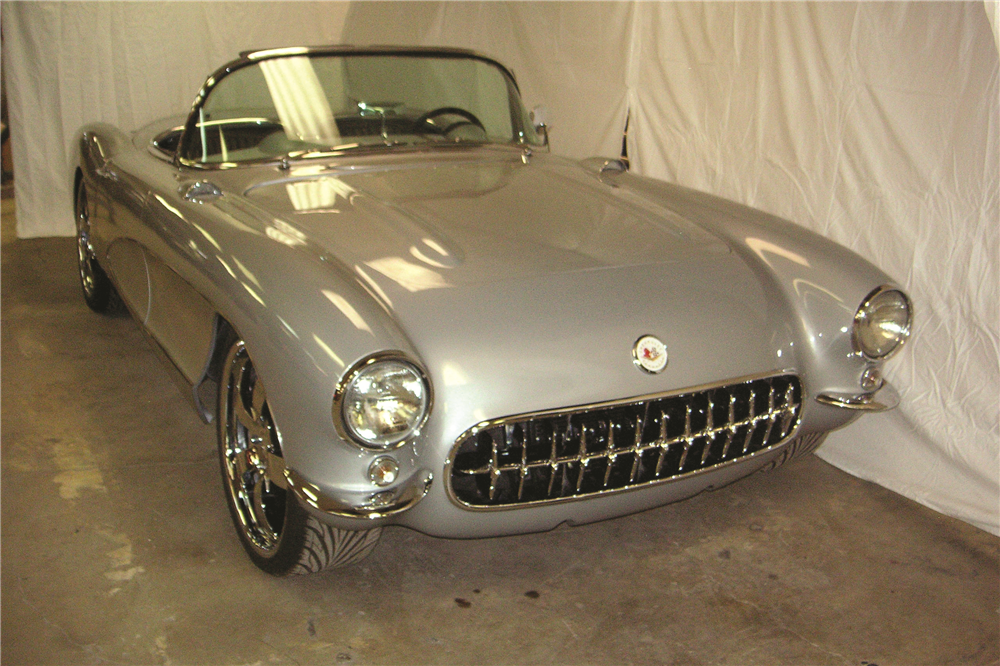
(85,252)
(277,533)
(253,468)
(97,290)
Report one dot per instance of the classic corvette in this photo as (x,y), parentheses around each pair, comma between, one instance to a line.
(458,331)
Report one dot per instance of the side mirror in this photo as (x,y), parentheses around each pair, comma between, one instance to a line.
(538,122)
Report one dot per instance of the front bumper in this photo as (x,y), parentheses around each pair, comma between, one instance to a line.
(431,509)
(366,505)
(883,399)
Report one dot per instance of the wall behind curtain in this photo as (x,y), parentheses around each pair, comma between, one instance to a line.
(873,123)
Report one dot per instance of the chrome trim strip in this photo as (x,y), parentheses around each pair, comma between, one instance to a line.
(882,400)
(249,57)
(370,505)
(614,166)
(252,57)
(688,438)
(159,153)
(375,150)
(154,149)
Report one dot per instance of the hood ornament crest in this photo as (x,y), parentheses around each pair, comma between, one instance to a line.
(649,354)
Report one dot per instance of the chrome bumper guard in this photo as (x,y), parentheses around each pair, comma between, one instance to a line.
(884,399)
(365,505)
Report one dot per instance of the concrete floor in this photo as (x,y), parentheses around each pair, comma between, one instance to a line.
(117,546)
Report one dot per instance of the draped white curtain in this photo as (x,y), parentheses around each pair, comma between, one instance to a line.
(875,124)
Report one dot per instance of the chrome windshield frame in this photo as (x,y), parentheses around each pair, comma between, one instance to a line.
(248,58)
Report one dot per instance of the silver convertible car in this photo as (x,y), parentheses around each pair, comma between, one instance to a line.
(364,265)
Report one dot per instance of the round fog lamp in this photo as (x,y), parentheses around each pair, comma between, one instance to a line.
(882,323)
(383,471)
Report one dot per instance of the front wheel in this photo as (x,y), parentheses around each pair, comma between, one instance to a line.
(279,535)
(799,447)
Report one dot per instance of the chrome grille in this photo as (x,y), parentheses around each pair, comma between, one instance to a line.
(579,452)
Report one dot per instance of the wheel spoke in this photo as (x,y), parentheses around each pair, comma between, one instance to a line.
(241,415)
(258,402)
(276,470)
(252,455)
(258,510)
(237,460)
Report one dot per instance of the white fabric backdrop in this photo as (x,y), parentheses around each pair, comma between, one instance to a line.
(875,124)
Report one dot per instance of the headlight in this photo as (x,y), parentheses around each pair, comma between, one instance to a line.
(382,401)
(882,323)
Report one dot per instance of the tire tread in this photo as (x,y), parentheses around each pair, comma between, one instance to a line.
(799,447)
(327,547)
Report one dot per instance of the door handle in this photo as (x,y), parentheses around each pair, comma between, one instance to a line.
(202,191)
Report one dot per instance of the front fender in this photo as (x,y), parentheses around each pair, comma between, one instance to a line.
(98,143)
(822,282)
(306,320)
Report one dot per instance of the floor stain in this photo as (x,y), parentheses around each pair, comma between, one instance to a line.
(31,347)
(78,469)
(121,559)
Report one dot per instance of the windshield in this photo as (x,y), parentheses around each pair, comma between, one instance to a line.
(311,105)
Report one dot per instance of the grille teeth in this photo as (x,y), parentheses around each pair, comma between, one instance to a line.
(577,453)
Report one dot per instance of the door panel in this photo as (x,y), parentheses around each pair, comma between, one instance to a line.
(127,263)
(179,319)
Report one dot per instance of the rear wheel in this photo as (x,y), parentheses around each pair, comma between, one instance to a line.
(97,289)
(279,535)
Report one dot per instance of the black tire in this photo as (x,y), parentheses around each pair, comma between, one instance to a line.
(98,291)
(799,447)
(280,536)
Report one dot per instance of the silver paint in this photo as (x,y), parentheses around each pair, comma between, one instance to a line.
(513,283)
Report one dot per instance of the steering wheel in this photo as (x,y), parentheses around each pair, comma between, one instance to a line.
(468,118)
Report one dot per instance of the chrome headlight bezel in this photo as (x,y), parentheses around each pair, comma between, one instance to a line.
(867,317)
(342,401)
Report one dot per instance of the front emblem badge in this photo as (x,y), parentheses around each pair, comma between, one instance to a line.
(649,354)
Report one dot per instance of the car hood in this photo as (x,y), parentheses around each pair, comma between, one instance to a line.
(483,219)
(538,272)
